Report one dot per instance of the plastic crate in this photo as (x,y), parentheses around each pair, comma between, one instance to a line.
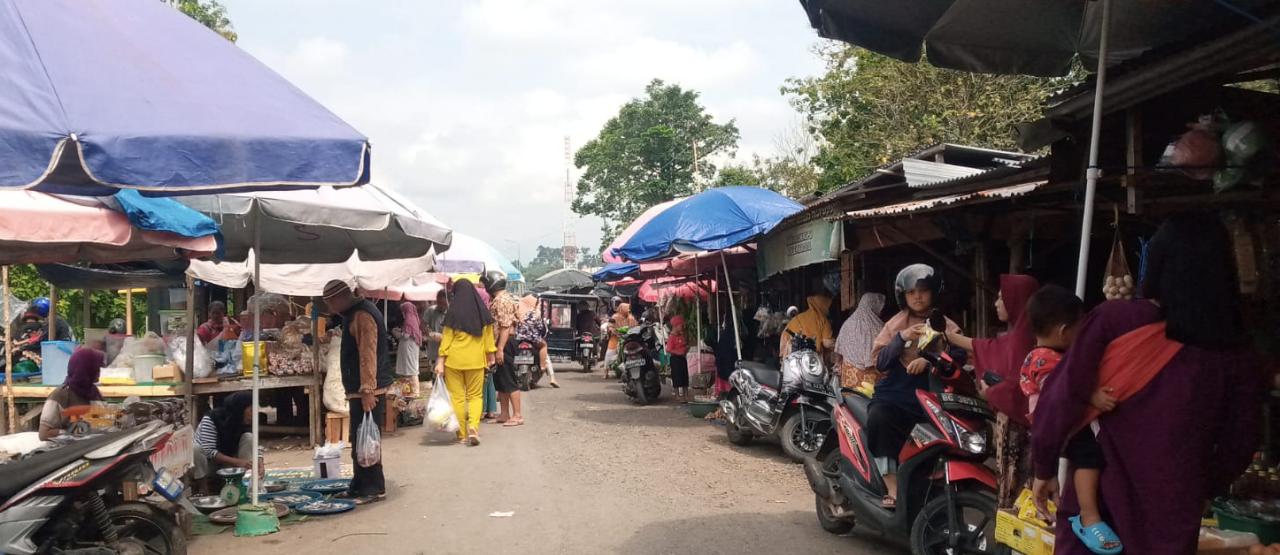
(1023,537)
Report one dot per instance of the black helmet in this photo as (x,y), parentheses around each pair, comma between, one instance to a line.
(493,280)
(913,276)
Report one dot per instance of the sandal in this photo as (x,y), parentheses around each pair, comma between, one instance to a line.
(473,438)
(555,385)
(513,423)
(1099,538)
(888,503)
(367,499)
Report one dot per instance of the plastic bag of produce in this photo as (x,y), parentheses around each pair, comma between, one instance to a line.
(368,442)
(440,408)
(1118,282)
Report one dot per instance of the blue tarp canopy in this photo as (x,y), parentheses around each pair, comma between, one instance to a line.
(712,220)
(615,270)
(164,214)
(101,95)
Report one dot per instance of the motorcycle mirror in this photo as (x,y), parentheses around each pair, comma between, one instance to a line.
(792,312)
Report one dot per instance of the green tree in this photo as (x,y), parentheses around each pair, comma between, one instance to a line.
(868,110)
(738,174)
(646,155)
(546,260)
(209,13)
(26,284)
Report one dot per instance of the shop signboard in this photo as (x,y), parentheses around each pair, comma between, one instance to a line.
(808,243)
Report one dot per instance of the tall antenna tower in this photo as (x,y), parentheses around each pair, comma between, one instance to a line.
(569,251)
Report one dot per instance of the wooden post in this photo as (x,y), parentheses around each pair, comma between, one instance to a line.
(11,411)
(1133,159)
(317,384)
(982,322)
(53,313)
(128,312)
(87,308)
(189,375)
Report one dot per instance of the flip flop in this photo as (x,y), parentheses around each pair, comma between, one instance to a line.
(367,499)
(555,385)
(513,423)
(473,439)
(1099,538)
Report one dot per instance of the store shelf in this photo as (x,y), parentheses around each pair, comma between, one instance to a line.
(269,382)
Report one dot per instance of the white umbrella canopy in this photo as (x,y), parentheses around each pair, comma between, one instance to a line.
(324,225)
(308,280)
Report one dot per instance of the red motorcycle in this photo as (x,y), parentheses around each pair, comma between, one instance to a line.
(946,494)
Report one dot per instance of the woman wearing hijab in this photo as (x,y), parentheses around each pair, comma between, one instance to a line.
(223,439)
(812,323)
(466,349)
(409,338)
(1187,420)
(677,347)
(857,336)
(531,327)
(78,390)
(1004,356)
(621,319)
(894,409)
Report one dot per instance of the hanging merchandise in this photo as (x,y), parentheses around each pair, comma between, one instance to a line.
(1246,260)
(1118,282)
(1242,142)
(1196,153)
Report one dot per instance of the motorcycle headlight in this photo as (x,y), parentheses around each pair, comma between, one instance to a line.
(973,442)
(811,363)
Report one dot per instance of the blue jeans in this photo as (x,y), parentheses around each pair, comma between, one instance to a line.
(490,395)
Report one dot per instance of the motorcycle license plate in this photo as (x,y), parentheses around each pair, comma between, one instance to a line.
(586,345)
(635,363)
(951,401)
(524,359)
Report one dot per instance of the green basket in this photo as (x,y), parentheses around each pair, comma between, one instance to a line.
(700,409)
(1267,532)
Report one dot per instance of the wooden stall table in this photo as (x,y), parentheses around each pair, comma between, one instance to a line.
(310,382)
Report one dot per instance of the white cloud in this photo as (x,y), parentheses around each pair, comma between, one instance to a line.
(467,104)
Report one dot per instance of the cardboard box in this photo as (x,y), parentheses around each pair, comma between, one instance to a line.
(1023,537)
(166,373)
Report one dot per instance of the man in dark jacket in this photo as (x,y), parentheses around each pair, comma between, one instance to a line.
(366,375)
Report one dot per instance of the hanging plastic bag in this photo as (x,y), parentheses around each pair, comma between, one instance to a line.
(368,442)
(1117,281)
(440,411)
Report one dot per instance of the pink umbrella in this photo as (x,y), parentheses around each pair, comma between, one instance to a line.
(422,287)
(39,228)
(626,234)
(654,289)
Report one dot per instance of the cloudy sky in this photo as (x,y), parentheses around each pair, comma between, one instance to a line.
(467,103)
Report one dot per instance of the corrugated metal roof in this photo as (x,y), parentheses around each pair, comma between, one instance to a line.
(920,173)
(929,204)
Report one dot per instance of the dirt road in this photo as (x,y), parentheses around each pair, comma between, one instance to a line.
(589,473)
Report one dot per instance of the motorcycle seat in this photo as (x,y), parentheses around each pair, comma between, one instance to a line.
(763,373)
(858,404)
(17,475)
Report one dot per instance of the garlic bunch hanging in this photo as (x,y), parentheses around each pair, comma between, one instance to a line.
(1118,287)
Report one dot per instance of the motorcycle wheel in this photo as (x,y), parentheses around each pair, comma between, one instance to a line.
(535,377)
(523,380)
(142,530)
(736,434)
(826,518)
(641,396)
(801,437)
(977,514)
(652,385)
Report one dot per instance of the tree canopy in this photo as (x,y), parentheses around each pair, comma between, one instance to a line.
(209,13)
(868,110)
(645,155)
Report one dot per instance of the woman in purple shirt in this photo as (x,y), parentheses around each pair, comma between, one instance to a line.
(1184,436)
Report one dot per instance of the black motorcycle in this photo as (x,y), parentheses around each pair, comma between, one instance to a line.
(793,403)
(640,378)
(70,499)
(528,368)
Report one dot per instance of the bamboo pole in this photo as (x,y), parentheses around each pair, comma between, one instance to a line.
(189,375)
(8,356)
(128,312)
(53,314)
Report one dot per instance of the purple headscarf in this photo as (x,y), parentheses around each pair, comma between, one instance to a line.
(412,324)
(82,373)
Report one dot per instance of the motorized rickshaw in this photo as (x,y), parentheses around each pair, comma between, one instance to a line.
(564,339)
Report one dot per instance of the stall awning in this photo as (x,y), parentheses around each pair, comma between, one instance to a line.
(809,243)
(940,202)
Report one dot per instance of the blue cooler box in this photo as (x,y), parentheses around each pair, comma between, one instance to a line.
(54,356)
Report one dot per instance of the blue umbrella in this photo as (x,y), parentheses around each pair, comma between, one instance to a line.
(615,270)
(712,220)
(101,95)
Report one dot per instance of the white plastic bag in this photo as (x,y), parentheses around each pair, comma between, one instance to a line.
(440,411)
(368,442)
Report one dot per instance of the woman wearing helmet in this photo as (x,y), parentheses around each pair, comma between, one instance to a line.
(894,409)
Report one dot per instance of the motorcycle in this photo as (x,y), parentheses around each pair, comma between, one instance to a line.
(640,378)
(528,368)
(587,351)
(793,404)
(946,494)
(70,500)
